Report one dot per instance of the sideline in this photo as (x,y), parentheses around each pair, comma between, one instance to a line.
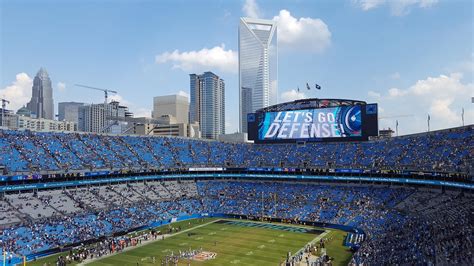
(315,240)
(144,243)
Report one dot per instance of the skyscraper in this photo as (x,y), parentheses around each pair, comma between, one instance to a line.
(41,104)
(208,104)
(258,66)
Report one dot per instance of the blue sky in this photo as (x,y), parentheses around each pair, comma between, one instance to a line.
(413,57)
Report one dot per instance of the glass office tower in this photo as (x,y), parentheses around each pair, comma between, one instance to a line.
(258,66)
(208,104)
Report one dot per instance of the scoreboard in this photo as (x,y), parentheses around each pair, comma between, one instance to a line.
(346,123)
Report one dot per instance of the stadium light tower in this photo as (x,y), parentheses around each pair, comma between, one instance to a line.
(4,105)
(106,91)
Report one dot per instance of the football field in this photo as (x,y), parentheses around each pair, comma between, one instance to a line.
(225,242)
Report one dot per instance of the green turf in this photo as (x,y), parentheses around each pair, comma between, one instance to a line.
(51,260)
(236,245)
(335,248)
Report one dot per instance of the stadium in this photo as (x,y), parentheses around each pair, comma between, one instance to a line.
(348,198)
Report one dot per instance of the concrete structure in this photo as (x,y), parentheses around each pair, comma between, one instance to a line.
(69,111)
(165,126)
(386,133)
(41,104)
(177,130)
(8,119)
(208,104)
(45,125)
(258,66)
(234,137)
(103,118)
(174,105)
(25,122)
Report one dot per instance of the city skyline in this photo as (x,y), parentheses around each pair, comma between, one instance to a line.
(356,51)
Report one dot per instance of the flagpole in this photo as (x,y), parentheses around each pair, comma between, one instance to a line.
(462,116)
(428,123)
(396,127)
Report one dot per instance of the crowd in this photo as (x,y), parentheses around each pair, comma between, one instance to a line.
(24,151)
(409,225)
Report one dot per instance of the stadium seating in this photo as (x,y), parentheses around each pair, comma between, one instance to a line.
(420,225)
(25,151)
(413,225)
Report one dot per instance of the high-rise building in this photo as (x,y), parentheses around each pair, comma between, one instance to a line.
(258,66)
(174,105)
(208,104)
(195,90)
(103,118)
(41,104)
(69,111)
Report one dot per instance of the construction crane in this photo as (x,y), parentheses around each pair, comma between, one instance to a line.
(106,92)
(4,106)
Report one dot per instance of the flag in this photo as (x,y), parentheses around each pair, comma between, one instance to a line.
(429,117)
(397,123)
(317,86)
(307,86)
(298,89)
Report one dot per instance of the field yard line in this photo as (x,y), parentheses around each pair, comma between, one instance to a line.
(85,262)
(314,240)
(278,223)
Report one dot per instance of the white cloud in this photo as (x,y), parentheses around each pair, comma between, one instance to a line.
(216,58)
(118,98)
(61,86)
(141,112)
(368,4)
(394,92)
(19,92)
(374,94)
(443,97)
(185,94)
(306,34)
(397,7)
(302,34)
(292,95)
(251,9)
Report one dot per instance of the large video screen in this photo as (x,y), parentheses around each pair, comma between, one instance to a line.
(330,123)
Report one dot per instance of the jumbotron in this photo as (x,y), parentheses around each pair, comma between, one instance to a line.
(106,199)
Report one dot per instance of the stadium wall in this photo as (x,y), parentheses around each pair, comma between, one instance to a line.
(238,176)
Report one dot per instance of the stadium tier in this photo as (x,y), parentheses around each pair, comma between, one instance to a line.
(60,191)
(413,226)
(32,152)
